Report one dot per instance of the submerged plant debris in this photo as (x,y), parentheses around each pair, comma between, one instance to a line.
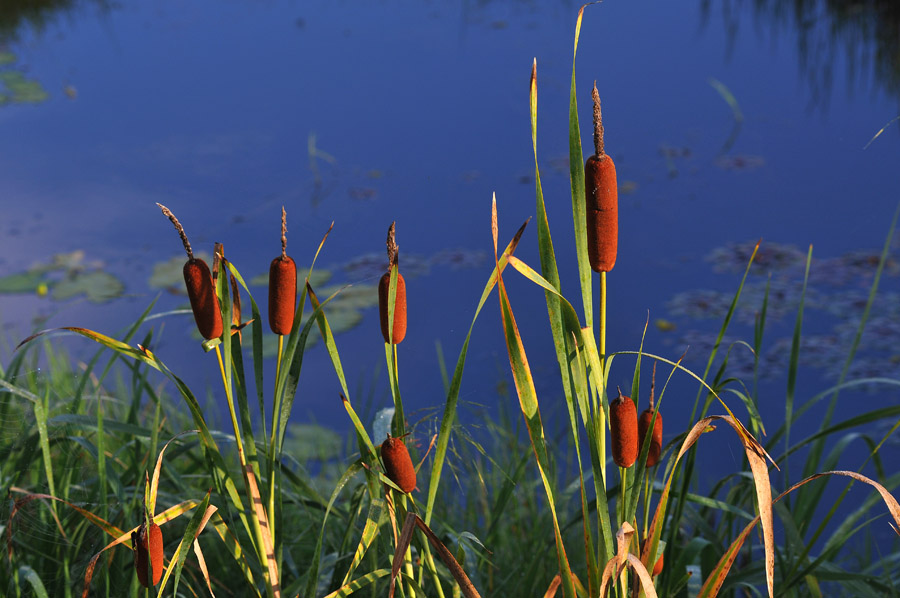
(835,299)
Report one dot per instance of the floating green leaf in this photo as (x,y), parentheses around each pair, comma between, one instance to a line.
(97,286)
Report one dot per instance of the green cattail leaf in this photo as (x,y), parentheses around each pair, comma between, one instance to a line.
(313,574)
(449,415)
(529,404)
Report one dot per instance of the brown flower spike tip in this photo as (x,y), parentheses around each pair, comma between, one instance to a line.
(200,288)
(282,286)
(148,546)
(601,199)
(397,464)
(623,430)
(644,424)
(384,286)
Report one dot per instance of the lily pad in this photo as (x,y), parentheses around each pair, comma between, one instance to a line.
(7,58)
(22,282)
(23,90)
(354,297)
(97,286)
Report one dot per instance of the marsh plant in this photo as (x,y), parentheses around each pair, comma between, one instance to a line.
(99,469)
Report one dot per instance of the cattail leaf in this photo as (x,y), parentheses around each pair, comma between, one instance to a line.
(192,530)
(450,405)
(313,575)
(576,180)
(154,481)
(234,549)
(792,368)
(756,456)
(529,404)
(617,563)
(409,526)
(359,583)
(453,565)
(34,580)
(121,537)
(815,453)
(369,532)
(717,576)
(201,562)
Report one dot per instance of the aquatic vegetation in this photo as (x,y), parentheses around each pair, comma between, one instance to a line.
(15,88)
(65,276)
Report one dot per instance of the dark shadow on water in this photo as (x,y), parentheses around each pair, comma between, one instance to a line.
(865,34)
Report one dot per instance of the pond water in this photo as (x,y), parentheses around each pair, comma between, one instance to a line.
(729,123)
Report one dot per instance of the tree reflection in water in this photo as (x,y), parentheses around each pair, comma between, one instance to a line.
(864,34)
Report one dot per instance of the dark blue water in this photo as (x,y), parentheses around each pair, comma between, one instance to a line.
(365,113)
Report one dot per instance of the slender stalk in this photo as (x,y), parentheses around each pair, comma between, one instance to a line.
(252,489)
(602,412)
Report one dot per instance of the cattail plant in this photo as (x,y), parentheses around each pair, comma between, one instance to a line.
(658,565)
(282,286)
(397,464)
(148,548)
(200,288)
(623,427)
(392,334)
(602,200)
(644,424)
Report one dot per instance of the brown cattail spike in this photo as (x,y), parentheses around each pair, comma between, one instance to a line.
(200,287)
(397,332)
(282,286)
(204,302)
(148,548)
(623,430)
(644,424)
(601,200)
(397,465)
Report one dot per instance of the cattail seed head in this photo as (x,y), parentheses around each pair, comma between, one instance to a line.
(282,294)
(623,430)
(398,329)
(204,302)
(397,464)
(601,200)
(655,437)
(148,547)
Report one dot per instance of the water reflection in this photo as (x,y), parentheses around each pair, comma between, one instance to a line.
(36,14)
(865,34)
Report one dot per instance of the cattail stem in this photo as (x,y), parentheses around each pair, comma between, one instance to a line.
(602,349)
(184,240)
(250,486)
